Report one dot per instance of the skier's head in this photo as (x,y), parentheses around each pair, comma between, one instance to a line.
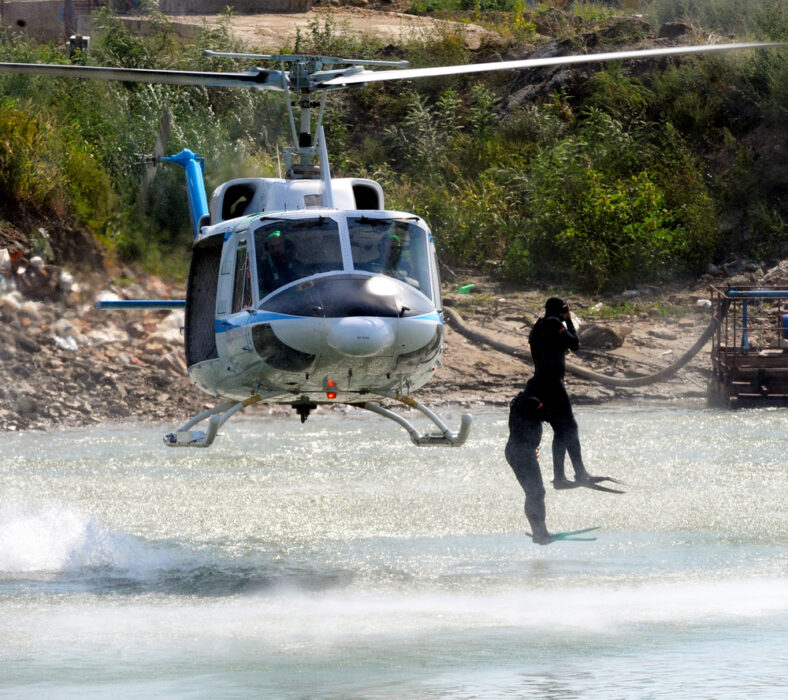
(555,306)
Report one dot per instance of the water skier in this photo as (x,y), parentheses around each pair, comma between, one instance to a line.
(545,399)
(526,413)
(551,338)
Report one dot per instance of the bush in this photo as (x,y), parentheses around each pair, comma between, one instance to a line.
(48,169)
(602,214)
(331,38)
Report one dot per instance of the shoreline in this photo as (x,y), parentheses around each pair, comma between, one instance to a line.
(63,363)
(66,364)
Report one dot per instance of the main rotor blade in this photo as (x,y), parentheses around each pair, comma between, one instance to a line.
(365,76)
(256,78)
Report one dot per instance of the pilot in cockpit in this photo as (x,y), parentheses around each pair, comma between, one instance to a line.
(278,264)
(389,261)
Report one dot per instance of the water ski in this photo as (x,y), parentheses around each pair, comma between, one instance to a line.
(589,482)
(569,536)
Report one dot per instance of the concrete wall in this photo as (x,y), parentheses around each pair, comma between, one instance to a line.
(213,7)
(139,25)
(42,19)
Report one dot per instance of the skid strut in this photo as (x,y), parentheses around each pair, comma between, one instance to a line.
(445,438)
(217,417)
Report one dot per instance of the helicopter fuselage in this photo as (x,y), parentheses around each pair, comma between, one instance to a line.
(316,305)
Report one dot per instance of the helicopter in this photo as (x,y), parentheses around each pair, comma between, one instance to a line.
(305,290)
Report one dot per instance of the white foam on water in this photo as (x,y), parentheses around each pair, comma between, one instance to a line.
(588,610)
(319,620)
(52,537)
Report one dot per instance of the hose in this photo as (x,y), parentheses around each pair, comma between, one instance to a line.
(460,326)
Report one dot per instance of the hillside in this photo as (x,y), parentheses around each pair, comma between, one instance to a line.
(658,166)
(388,22)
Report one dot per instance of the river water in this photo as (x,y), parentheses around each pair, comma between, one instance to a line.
(336,560)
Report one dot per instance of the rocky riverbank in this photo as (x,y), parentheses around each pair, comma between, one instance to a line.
(62,362)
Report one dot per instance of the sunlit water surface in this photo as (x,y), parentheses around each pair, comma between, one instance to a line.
(336,560)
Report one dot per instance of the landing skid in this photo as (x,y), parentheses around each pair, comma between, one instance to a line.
(445,438)
(217,417)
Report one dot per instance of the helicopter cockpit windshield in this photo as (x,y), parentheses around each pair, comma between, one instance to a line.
(288,250)
(394,247)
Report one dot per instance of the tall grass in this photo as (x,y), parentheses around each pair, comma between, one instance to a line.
(761,19)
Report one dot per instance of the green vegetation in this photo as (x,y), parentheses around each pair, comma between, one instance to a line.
(618,178)
(765,19)
(73,146)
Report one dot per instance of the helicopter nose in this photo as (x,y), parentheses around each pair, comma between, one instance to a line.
(361,336)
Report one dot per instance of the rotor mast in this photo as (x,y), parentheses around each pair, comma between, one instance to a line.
(302,79)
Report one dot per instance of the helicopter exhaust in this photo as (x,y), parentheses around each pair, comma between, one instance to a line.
(193,166)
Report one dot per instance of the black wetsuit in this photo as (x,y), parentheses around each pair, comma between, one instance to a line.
(549,340)
(525,433)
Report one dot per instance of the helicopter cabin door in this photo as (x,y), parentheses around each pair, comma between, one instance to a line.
(235,302)
(200,335)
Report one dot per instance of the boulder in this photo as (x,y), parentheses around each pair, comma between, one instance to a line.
(26,343)
(600,337)
(777,276)
(662,334)
(674,30)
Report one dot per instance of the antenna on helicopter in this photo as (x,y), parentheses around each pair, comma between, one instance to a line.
(325,170)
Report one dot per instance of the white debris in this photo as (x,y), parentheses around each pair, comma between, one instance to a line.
(67,283)
(106,295)
(110,334)
(69,343)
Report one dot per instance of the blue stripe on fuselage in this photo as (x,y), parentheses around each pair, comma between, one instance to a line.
(224,325)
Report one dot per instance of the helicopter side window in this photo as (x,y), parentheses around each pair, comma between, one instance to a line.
(287,250)
(242,286)
(394,247)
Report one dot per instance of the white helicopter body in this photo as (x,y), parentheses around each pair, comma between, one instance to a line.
(306,291)
(335,332)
